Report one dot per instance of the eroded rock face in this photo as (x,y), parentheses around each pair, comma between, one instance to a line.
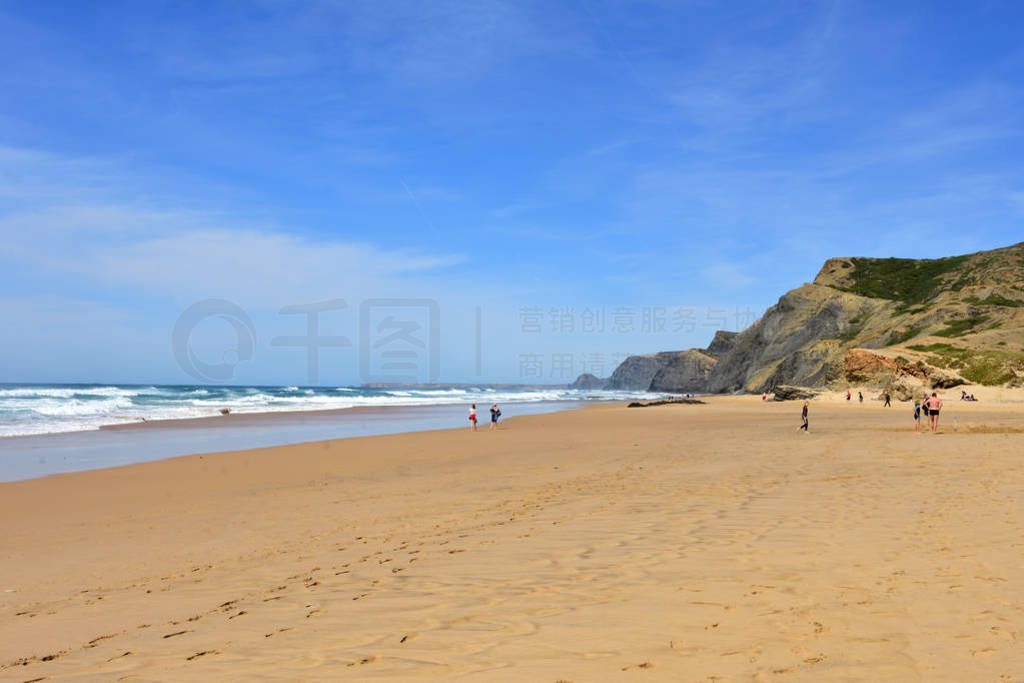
(904,388)
(796,342)
(687,372)
(864,367)
(722,344)
(915,308)
(636,372)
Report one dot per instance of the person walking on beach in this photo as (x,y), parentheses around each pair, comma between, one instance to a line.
(803,417)
(472,417)
(847,394)
(888,401)
(917,417)
(860,396)
(495,414)
(934,405)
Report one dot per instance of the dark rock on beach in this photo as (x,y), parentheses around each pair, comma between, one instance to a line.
(788,393)
(665,402)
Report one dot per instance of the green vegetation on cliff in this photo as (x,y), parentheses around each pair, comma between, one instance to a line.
(911,281)
(961,326)
(994,300)
(981,367)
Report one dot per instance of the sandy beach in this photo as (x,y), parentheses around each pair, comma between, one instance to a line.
(680,542)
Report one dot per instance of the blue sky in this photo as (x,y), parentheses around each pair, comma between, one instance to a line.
(668,166)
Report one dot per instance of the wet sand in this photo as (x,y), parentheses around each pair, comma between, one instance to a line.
(29,457)
(679,542)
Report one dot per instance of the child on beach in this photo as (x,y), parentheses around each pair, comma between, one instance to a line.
(472,417)
(803,416)
(917,417)
(495,414)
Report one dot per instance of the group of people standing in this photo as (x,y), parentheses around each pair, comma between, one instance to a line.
(495,414)
(929,406)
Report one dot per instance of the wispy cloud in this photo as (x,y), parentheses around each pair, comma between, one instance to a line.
(180,253)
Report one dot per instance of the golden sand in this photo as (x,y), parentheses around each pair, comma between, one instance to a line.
(670,543)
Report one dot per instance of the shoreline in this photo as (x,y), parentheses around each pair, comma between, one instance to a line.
(35,456)
(32,456)
(269,416)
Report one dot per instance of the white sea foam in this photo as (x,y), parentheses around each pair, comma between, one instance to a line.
(43,409)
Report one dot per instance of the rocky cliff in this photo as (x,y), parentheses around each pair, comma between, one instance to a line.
(895,323)
(686,372)
(902,309)
(636,372)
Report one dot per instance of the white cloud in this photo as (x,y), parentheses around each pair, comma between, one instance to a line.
(173,255)
(61,226)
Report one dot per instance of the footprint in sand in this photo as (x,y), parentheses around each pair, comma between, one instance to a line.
(641,665)
(226,606)
(364,660)
(274,633)
(176,633)
(96,641)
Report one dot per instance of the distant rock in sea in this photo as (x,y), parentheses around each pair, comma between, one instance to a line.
(589,382)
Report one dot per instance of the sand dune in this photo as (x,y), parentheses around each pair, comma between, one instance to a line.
(679,542)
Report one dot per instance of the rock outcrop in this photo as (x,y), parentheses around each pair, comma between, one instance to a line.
(636,372)
(865,367)
(957,319)
(784,392)
(687,372)
(797,341)
(722,344)
(589,382)
(892,305)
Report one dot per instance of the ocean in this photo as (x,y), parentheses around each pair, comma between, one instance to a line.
(27,409)
(50,429)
